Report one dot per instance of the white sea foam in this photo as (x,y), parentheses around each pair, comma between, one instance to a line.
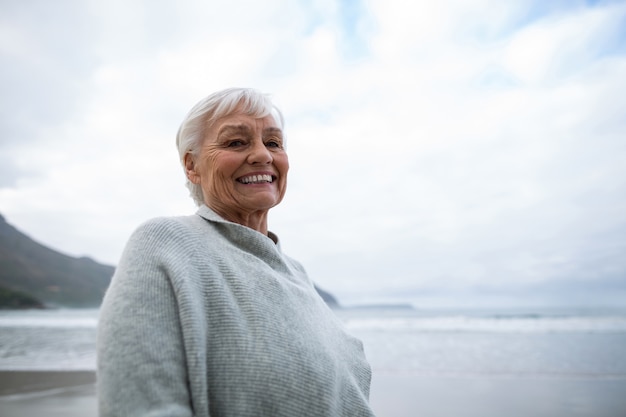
(489,324)
(61,318)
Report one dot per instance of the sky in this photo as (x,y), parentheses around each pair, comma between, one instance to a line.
(446,152)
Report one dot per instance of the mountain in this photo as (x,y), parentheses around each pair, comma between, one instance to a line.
(33,275)
(31,270)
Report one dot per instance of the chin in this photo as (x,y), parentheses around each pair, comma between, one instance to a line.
(264,203)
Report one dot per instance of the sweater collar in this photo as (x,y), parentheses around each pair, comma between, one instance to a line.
(208,214)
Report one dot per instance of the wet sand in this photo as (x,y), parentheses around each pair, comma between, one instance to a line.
(72,394)
(50,394)
(409,395)
(14,382)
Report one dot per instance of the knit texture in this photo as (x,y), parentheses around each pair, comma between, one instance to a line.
(205,317)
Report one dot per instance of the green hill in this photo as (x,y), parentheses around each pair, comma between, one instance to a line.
(32,274)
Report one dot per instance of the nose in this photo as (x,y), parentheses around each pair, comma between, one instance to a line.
(259,154)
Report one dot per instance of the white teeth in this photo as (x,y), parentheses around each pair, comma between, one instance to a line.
(255,179)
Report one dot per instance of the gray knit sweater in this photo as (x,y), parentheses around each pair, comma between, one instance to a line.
(208,318)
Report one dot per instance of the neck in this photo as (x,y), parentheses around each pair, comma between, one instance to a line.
(256,220)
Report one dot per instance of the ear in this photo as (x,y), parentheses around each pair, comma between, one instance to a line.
(190,169)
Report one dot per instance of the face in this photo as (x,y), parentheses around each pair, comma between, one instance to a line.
(242,166)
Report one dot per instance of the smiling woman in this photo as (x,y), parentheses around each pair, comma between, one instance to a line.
(205,315)
(241,168)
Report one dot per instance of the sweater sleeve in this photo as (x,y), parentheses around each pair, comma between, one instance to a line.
(141,359)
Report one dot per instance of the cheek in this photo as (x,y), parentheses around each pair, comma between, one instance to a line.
(283,165)
(218,166)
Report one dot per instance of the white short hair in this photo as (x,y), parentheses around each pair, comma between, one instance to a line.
(213,107)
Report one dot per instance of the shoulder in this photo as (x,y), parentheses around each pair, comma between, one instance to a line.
(168,228)
(299,271)
(166,234)
(159,247)
(294,264)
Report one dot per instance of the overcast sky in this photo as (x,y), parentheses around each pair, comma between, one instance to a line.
(440,150)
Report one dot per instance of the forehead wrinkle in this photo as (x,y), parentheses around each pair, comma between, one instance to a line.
(273,130)
(233,128)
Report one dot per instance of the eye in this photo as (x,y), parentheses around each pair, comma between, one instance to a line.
(235,143)
(274,143)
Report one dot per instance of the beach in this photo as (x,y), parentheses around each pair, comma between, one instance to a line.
(48,393)
(72,394)
(445,396)
(425,364)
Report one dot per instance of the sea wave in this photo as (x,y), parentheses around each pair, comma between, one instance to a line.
(61,318)
(489,324)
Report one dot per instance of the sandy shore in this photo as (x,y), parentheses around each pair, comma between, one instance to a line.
(18,382)
(410,395)
(50,394)
(72,394)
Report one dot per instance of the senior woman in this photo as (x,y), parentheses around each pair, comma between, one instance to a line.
(205,316)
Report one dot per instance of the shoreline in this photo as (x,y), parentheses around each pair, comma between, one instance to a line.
(48,393)
(393,394)
(27,381)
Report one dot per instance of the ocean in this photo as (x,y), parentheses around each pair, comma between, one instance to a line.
(425,362)
(511,343)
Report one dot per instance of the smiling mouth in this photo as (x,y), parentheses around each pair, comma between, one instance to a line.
(257,179)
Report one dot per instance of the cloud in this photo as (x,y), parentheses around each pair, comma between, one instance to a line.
(442,146)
